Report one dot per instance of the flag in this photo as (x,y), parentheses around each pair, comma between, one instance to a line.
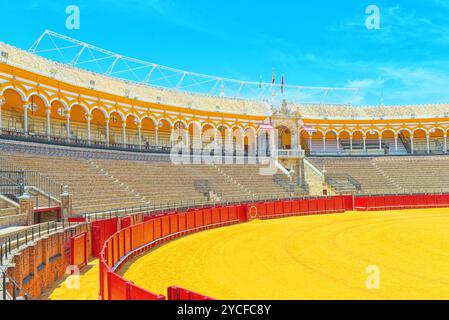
(273,77)
(260,82)
(282,84)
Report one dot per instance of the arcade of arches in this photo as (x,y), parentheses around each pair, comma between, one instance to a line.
(35,115)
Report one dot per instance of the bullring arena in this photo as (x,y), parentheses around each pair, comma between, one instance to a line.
(116,190)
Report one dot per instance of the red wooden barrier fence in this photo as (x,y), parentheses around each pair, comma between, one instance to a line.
(78,250)
(400,202)
(120,246)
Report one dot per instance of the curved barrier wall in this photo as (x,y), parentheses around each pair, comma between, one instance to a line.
(156,230)
(400,202)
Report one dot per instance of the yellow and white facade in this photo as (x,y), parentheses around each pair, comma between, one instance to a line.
(39,97)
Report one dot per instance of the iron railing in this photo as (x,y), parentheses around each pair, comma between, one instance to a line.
(334,180)
(14,180)
(12,243)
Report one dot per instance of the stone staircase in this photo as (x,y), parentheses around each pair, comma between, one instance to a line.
(9,214)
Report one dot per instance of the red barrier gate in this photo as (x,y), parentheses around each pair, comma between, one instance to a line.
(78,250)
(101,231)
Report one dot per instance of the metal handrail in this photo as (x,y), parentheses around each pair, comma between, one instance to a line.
(12,243)
(26,178)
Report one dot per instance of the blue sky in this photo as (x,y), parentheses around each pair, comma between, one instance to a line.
(313,43)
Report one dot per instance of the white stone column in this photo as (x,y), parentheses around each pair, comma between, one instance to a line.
(364,143)
(445,143)
(338,144)
(412,146)
(139,128)
(428,142)
(88,118)
(271,145)
(350,143)
(156,135)
(48,117)
(107,132)
(186,138)
(396,143)
(215,139)
(324,144)
(172,136)
(2,103)
(310,142)
(124,134)
(380,143)
(228,146)
(68,126)
(25,120)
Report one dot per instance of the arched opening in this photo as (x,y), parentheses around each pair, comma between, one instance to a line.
(78,123)
(115,129)
(238,141)
(436,140)
(357,142)
(330,143)
(304,138)
(12,111)
(405,139)
(36,115)
(98,127)
(181,133)
(316,144)
(132,131)
(420,145)
(250,142)
(148,132)
(207,135)
(164,133)
(389,144)
(373,142)
(284,138)
(58,119)
(345,141)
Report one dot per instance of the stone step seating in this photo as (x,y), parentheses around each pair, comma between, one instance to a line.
(428,174)
(230,191)
(249,177)
(100,184)
(291,184)
(361,169)
(343,186)
(155,181)
(91,191)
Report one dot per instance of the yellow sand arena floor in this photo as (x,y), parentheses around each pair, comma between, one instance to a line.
(315,257)
(83,287)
